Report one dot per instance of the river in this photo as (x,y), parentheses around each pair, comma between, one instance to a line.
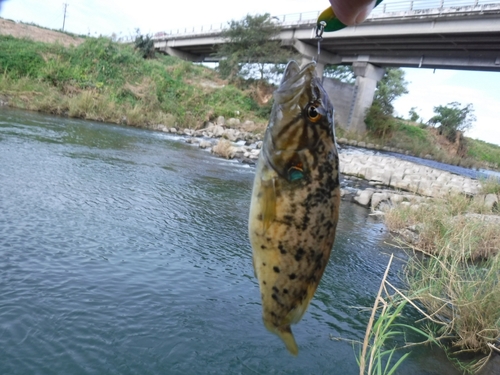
(124,251)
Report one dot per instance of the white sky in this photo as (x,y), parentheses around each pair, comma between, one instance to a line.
(427,88)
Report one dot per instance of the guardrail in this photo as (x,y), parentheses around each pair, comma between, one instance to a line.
(386,7)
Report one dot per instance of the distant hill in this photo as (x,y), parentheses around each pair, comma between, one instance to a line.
(38,34)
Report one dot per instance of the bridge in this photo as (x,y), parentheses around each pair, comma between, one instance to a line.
(437,34)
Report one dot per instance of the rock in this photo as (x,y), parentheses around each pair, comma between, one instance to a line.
(364,197)
(233,122)
(258,145)
(188,131)
(248,161)
(221,121)
(353,142)
(378,198)
(218,130)
(173,130)
(236,152)
(396,199)
(488,219)
(491,201)
(342,141)
(205,144)
(192,140)
(370,145)
(362,144)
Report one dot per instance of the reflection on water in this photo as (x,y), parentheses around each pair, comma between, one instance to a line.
(125,252)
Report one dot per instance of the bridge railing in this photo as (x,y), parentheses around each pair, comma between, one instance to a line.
(387,7)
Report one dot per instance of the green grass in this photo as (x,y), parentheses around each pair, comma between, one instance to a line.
(107,81)
(484,151)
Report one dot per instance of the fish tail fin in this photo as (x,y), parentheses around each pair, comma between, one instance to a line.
(286,335)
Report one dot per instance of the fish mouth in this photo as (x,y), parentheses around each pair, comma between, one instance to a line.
(294,82)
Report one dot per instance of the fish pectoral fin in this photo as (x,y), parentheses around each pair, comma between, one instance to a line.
(268,203)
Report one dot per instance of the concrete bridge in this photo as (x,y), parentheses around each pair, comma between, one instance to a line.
(443,34)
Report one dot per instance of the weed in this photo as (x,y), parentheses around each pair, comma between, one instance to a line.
(223,148)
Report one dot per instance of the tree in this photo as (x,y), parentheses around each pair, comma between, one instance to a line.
(414,116)
(379,118)
(145,44)
(389,88)
(343,73)
(252,46)
(451,118)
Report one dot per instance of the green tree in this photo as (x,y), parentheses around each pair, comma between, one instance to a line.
(252,46)
(389,88)
(145,45)
(414,116)
(451,118)
(379,117)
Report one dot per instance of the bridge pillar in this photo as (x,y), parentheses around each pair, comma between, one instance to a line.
(367,76)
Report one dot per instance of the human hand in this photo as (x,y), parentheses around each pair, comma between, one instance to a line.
(344,13)
(352,12)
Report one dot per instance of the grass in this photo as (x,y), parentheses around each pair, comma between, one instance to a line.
(223,148)
(458,275)
(420,140)
(484,151)
(107,81)
(375,358)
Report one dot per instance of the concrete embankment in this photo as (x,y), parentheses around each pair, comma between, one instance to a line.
(368,179)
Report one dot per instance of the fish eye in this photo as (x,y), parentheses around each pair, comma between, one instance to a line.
(313,114)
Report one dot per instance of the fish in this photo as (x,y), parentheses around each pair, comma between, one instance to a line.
(295,201)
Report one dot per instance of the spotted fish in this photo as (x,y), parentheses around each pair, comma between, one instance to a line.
(295,200)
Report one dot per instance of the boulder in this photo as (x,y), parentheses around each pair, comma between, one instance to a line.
(364,197)
(377,199)
(221,121)
(233,122)
(205,144)
(491,201)
(218,130)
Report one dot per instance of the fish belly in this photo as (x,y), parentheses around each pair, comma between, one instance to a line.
(292,230)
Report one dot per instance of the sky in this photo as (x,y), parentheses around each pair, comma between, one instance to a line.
(427,88)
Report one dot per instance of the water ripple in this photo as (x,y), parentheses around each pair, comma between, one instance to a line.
(125,252)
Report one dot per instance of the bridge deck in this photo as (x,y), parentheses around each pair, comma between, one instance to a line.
(463,36)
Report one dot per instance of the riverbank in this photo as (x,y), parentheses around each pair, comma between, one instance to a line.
(370,178)
(101,80)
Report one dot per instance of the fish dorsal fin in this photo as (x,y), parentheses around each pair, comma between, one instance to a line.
(291,70)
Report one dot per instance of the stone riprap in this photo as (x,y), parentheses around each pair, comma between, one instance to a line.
(404,175)
(385,179)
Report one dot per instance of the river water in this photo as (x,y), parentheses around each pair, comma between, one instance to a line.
(124,251)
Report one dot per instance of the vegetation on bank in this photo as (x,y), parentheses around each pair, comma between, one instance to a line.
(111,82)
(454,273)
(107,81)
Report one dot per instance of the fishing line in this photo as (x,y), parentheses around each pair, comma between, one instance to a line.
(320,28)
